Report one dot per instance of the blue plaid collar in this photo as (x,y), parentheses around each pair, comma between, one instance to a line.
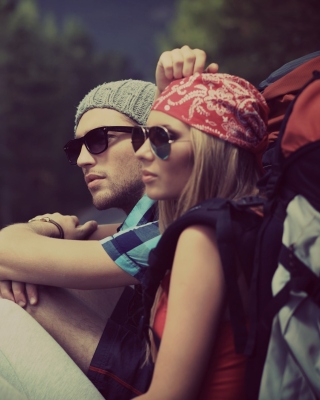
(144,211)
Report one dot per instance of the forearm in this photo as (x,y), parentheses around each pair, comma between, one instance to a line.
(16,231)
(104,231)
(27,256)
(19,239)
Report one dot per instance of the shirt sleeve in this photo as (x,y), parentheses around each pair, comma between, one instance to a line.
(130,248)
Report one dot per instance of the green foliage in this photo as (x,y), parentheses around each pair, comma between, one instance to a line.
(44,73)
(248,38)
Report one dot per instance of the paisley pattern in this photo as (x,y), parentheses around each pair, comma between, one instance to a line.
(221,105)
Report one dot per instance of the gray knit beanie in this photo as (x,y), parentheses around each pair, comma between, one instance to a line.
(130,97)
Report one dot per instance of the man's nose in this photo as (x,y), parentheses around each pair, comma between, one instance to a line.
(85,157)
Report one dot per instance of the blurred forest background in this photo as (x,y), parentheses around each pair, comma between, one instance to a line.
(46,69)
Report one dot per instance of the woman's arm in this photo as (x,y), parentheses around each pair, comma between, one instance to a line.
(180,63)
(195,304)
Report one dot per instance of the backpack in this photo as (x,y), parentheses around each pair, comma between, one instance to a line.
(279,89)
(291,369)
(263,247)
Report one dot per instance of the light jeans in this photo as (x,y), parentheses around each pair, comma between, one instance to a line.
(32,364)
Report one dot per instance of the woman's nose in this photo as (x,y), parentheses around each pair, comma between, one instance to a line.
(144,152)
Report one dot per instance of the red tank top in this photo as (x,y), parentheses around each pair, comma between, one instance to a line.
(225,377)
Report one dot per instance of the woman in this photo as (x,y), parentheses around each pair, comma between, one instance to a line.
(41,369)
(204,139)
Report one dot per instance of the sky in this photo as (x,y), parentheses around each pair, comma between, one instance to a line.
(128,26)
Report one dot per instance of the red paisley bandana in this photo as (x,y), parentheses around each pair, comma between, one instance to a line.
(221,105)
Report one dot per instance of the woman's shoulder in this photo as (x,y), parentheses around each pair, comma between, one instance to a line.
(195,235)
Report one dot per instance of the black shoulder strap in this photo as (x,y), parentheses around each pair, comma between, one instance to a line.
(161,258)
(302,279)
(229,219)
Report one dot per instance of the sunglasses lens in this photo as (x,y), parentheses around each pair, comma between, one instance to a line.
(96,141)
(138,138)
(159,140)
(72,150)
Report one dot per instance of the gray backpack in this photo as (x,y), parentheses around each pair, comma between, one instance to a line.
(292,366)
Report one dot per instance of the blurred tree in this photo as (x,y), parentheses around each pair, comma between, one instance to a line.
(44,73)
(249,38)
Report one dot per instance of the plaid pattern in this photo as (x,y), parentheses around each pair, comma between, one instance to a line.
(138,235)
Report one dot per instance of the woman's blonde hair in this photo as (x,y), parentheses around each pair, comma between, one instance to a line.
(220,170)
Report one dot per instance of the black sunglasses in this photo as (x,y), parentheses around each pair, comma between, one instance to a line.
(160,140)
(96,141)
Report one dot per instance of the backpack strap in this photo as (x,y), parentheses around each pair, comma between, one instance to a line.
(225,241)
(302,279)
(161,257)
(229,220)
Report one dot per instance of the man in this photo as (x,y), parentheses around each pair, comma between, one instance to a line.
(113,178)
(112,175)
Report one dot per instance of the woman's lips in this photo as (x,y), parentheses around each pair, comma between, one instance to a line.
(148,177)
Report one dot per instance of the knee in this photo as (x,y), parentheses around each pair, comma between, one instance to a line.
(14,319)
(9,309)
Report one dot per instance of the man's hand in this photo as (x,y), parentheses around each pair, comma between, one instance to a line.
(69,224)
(180,63)
(20,293)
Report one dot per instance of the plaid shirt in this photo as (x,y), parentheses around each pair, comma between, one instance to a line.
(139,233)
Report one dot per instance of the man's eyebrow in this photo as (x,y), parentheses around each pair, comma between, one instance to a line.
(168,126)
(107,126)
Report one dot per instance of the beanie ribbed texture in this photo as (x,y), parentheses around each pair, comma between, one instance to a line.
(133,98)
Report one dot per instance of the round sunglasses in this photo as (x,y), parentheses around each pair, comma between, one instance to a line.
(96,141)
(160,140)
